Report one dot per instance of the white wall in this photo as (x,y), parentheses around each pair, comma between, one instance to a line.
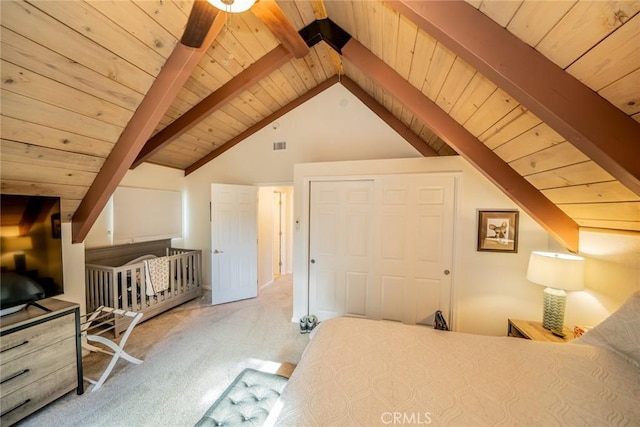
(488,287)
(145,176)
(336,126)
(73,269)
(333,125)
(612,274)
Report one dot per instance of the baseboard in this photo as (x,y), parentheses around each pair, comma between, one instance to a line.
(267,284)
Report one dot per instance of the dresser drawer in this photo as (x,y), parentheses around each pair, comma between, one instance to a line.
(19,343)
(24,401)
(33,366)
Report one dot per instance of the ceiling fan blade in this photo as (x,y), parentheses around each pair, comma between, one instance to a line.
(199,22)
(277,22)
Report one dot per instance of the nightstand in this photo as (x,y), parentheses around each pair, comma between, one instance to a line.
(534,331)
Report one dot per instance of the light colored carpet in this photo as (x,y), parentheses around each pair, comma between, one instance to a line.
(191,354)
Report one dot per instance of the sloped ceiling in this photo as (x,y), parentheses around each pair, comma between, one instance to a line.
(543,97)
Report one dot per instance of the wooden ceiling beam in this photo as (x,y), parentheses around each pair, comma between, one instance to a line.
(249,76)
(592,124)
(261,124)
(523,193)
(175,72)
(320,12)
(277,22)
(319,9)
(391,120)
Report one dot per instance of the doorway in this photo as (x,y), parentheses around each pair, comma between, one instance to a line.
(279,227)
(275,232)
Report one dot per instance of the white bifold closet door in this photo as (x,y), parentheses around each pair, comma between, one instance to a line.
(415,219)
(341,227)
(382,248)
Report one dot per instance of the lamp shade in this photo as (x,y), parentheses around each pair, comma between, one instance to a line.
(232,6)
(559,271)
(16,244)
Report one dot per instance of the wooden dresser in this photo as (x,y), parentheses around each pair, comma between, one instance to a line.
(40,358)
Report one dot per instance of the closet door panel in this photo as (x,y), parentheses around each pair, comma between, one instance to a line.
(340,245)
(428,299)
(414,217)
(382,248)
(357,285)
(393,304)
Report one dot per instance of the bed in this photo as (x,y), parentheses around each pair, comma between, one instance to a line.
(368,372)
(149,277)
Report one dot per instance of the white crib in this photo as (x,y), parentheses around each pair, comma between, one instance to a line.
(123,287)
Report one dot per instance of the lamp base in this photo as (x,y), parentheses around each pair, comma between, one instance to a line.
(553,303)
(20,261)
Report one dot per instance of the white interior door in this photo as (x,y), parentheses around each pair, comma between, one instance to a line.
(415,219)
(382,248)
(233,243)
(275,238)
(279,228)
(284,235)
(340,245)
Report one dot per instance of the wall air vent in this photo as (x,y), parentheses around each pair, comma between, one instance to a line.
(280,145)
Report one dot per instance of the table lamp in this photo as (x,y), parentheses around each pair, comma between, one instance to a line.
(558,273)
(17,245)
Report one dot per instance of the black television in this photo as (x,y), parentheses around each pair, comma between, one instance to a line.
(30,250)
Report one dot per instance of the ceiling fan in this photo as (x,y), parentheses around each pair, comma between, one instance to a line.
(233,6)
(204,12)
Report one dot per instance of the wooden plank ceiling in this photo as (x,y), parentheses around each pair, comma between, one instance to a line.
(74,73)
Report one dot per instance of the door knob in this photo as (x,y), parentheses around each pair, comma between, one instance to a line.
(447,272)
(215,251)
(313,261)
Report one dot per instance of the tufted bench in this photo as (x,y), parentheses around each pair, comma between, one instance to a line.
(247,401)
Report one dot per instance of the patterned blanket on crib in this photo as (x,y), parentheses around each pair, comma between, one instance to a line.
(156,275)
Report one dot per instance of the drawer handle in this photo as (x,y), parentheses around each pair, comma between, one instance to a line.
(15,346)
(15,407)
(16,375)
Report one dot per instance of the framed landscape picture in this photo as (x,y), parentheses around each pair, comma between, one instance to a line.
(498,231)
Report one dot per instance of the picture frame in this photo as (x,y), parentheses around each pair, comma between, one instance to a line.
(498,230)
(56,226)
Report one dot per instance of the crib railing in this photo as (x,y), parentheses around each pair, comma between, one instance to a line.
(124,287)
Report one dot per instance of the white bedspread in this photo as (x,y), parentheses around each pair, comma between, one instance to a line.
(367,372)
